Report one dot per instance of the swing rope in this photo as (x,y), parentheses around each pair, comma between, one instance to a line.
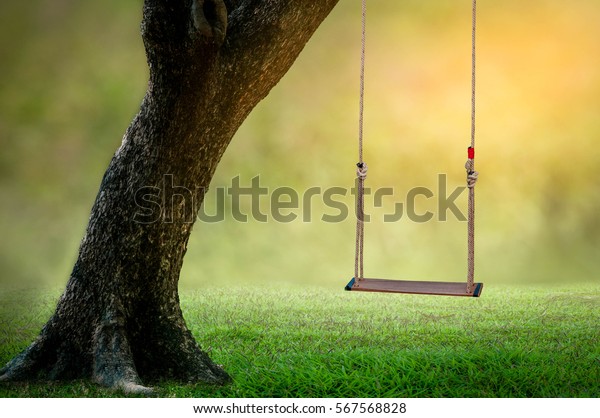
(470,164)
(361,172)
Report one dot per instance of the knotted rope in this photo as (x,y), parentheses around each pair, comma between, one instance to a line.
(472,175)
(361,175)
(361,170)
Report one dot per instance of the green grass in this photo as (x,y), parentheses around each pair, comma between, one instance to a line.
(282,342)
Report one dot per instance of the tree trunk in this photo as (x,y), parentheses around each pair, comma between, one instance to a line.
(119,320)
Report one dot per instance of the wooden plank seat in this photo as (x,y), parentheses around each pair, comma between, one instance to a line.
(414,287)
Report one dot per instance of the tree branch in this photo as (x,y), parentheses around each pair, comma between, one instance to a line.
(264,38)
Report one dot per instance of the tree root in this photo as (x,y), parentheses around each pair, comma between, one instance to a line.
(27,364)
(113,363)
(113,359)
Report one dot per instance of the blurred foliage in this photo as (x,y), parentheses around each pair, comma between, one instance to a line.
(72,75)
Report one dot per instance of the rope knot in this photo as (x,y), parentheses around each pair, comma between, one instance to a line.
(361,170)
(472,175)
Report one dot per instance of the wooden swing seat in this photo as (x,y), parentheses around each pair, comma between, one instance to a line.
(414,287)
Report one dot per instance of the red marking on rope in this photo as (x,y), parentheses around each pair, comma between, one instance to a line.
(471,153)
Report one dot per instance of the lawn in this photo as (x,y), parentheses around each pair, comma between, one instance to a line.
(311,342)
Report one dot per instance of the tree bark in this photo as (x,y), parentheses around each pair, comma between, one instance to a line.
(119,320)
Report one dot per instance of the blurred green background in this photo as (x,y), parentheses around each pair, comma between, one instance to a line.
(72,76)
